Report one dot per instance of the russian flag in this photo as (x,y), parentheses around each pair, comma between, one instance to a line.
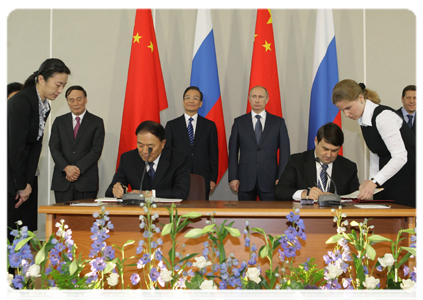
(204,75)
(325,76)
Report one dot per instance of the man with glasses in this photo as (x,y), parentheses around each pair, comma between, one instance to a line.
(197,137)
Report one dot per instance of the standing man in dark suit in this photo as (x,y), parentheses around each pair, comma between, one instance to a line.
(76,143)
(304,177)
(408,109)
(167,169)
(257,137)
(197,137)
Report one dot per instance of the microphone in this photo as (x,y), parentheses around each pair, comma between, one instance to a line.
(332,199)
(136,199)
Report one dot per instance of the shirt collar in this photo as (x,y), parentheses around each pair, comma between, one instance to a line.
(366,118)
(188,116)
(81,116)
(262,114)
(405,113)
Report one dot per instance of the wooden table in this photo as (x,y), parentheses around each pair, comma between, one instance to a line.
(270,216)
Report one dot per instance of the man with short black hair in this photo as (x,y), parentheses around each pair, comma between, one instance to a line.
(408,109)
(76,144)
(197,137)
(304,177)
(167,170)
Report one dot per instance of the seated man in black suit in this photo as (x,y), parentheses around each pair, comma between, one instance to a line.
(167,171)
(302,177)
(408,109)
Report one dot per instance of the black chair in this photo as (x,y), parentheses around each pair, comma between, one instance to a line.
(197,188)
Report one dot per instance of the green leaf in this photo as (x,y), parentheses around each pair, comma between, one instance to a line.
(354,223)
(41,255)
(208,228)
(22,243)
(129,242)
(370,252)
(73,267)
(192,215)
(167,229)
(233,231)
(375,238)
(334,239)
(409,249)
(110,265)
(259,230)
(410,230)
(264,251)
(194,233)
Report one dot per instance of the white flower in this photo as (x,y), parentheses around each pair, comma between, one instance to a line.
(386,261)
(113,279)
(253,274)
(179,295)
(208,285)
(34,270)
(52,291)
(19,222)
(166,275)
(94,294)
(407,284)
(14,296)
(371,283)
(59,296)
(138,295)
(201,262)
(9,278)
(298,296)
(333,271)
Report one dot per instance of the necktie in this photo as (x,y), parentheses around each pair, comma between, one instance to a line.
(323,178)
(258,129)
(151,171)
(75,130)
(191,131)
(410,120)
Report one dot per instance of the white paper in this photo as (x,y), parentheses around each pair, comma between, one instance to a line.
(372,206)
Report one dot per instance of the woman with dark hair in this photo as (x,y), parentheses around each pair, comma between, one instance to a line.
(389,139)
(27,112)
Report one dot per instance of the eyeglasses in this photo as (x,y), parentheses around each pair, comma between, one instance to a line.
(189,98)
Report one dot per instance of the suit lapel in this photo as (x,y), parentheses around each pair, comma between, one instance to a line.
(248,124)
(199,129)
(336,173)
(69,126)
(84,125)
(182,128)
(310,169)
(164,164)
(267,126)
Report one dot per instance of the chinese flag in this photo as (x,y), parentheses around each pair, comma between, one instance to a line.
(145,91)
(264,69)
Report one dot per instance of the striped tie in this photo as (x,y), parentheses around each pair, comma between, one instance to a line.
(191,131)
(323,178)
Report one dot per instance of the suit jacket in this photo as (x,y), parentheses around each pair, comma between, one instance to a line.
(203,154)
(23,149)
(300,173)
(83,152)
(416,124)
(172,179)
(258,162)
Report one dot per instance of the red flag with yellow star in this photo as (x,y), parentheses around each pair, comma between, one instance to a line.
(264,69)
(145,90)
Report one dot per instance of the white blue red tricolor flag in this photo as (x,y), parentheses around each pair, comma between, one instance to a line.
(204,75)
(325,76)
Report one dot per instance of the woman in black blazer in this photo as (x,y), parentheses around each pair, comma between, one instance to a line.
(27,112)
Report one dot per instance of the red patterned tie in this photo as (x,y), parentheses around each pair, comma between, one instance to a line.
(75,130)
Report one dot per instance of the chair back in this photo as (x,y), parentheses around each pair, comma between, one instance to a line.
(197,188)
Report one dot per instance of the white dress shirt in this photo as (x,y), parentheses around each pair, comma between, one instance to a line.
(297,194)
(388,123)
(262,119)
(193,122)
(81,116)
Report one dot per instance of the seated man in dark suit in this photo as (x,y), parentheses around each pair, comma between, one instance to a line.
(303,176)
(408,109)
(167,172)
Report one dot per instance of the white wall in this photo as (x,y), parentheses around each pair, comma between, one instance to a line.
(374,46)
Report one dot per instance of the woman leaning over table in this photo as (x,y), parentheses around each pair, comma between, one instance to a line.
(389,139)
(27,112)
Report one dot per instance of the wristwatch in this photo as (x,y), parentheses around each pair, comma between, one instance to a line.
(375,182)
